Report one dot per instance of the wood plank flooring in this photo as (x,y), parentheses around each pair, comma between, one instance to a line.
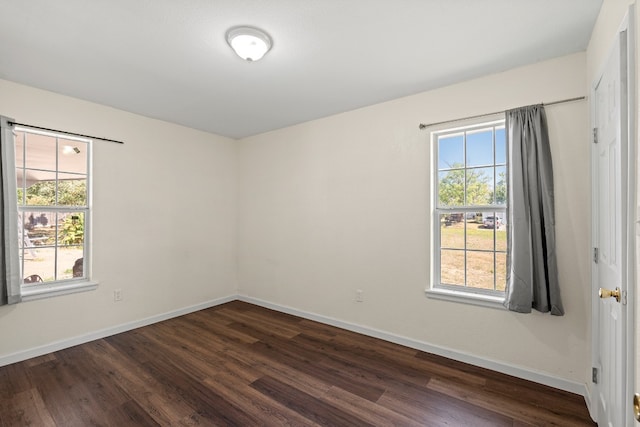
(242,365)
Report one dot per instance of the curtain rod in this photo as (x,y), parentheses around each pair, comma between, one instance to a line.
(64,131)
(562,101)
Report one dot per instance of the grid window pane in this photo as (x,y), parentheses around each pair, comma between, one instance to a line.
(479,186)
(501,238)
(40,188)
(451,187)
(51,176)
(39,262)
(72,192)
(40,153)
(452,267)
(480,148)
(72,156)
(39,228)
(471,204)
(480,270)
(501,186)
(452,230)
(450,152)
(501,271)
(69,258)
(501,146)
(479,237)
(19,141)
(70,228)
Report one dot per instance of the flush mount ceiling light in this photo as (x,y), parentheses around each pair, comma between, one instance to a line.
(249,43)
(68,149)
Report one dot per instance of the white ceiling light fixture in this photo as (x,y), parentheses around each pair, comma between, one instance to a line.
(68,149)
(249,43)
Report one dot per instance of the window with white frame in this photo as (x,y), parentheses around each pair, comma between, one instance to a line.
(53,192)
(470,210)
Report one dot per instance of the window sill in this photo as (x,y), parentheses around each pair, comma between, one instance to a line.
(466,298)
(32,293)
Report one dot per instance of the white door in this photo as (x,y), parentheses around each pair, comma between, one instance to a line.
(610,239)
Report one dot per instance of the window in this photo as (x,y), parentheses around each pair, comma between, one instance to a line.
(470,211)
(53,193)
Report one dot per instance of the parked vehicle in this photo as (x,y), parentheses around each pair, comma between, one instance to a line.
(492,222)
(452,218)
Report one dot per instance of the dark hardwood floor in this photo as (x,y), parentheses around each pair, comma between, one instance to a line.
(242,365)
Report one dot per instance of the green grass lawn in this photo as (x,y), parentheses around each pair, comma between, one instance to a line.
(480,264)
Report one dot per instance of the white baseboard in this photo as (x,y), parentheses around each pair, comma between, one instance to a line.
(516,371)
(505,368)
(81,339)
(588,398)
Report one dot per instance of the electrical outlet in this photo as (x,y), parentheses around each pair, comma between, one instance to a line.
(359,295)
(117,295)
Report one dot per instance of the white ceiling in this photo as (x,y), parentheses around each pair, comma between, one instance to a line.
(168,59)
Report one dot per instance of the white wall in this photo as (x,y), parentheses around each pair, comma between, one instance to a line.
(342,203)
(164,220)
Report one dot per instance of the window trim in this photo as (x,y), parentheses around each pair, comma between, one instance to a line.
(31,292)
(472,298)
(435,289)
(54,289)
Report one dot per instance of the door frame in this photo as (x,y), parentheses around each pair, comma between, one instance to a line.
(629,228)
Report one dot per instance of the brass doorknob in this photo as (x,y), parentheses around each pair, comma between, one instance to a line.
(636,406)
(608,293)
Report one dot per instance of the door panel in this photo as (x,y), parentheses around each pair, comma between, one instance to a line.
(610,216)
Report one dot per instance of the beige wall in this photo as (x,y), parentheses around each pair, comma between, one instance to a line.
(323,208)
(164,220)
(342,203)
(609,21)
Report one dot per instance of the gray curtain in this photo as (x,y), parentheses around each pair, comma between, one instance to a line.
(9,256)
(532,278)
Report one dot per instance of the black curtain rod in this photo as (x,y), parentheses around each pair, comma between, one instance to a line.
(562,101)
(64,131)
